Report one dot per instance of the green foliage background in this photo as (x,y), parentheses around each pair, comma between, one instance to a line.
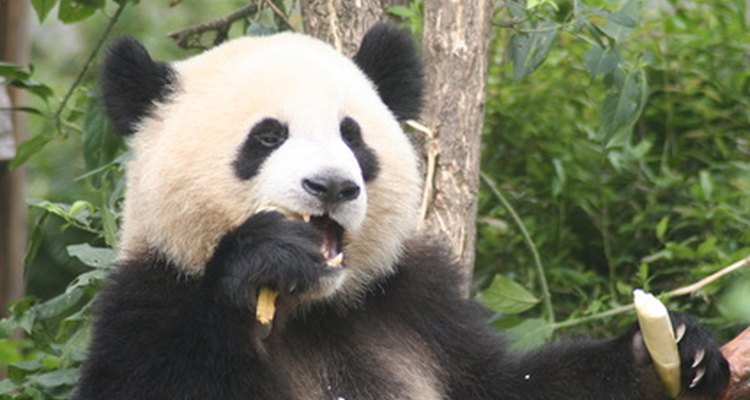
(616,155)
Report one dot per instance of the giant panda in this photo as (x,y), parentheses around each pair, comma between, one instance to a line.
(257,163)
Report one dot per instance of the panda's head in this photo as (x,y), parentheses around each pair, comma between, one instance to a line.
(281,121)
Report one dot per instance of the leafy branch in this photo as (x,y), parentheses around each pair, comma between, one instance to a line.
(529,242)
(190,37)
(87,64)
(684,290)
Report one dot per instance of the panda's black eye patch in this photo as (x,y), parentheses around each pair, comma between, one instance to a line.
(264,137)
(270,133)
(351,134)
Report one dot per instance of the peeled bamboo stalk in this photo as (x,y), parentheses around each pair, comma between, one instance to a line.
(658,335)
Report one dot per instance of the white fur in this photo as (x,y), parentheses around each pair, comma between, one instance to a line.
(182,192)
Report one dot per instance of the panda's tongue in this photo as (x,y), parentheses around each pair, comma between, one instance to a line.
(332,233)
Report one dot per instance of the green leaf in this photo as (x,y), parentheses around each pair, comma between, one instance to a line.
(517,10)
(707,246)
(401,11)
(100,145)
(76,10)
(67,377)
(530,4)
(661,227)
(528,49)
(28,110)
(96,257)
(60,304)
(601,61)
(622,108)
(506,296)
(529,334)
(38,89)
(13,71)
(622,19)
(87,279)
(621,23)
(7,387)
(29,148)
(707,186)
(43,7)
(74,350)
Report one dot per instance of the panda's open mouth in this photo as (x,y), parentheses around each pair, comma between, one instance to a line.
(332,234)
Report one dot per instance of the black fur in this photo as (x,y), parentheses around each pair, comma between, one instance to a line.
(388,57)
(162,336)
(131,82)
(267,250)
(265,137)
(366,157)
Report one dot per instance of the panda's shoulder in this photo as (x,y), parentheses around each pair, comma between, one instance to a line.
(427,270)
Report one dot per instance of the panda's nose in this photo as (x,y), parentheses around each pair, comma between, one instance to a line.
(331,191)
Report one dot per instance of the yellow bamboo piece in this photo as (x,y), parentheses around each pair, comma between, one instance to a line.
(266,307)
(658,335)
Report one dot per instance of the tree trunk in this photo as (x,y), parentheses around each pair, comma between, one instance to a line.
(342,23)
(454,45)
(14,48)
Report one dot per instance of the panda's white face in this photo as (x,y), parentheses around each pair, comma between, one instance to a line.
(285,122)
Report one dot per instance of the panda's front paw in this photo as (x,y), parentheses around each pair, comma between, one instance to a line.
(266,250)
(704,370)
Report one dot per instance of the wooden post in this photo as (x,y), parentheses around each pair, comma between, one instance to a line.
(14,48)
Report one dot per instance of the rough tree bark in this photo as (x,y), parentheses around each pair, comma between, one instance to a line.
(454,45)
(14,48)
(342,23)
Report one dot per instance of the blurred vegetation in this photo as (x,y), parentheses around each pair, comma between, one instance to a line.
(616,155)
(626,155)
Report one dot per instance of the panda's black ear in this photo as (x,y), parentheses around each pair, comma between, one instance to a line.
(130,83)
(389,58)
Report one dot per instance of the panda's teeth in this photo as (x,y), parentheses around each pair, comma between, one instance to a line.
(306,217)
(336,261)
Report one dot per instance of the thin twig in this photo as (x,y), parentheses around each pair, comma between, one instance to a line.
(280,14)
(509,24)
(432,151)
(593,317)
(709,279)
(689,289)
(89,61)
(529,242)
(218,25)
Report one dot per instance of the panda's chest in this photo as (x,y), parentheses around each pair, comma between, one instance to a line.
(383,362)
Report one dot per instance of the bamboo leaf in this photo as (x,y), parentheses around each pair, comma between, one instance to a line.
(529,48)
(76,10)
(506,296)
(529,334)
(43,7)
(96,257)
(601,61)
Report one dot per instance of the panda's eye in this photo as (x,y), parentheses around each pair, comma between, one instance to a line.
(270,133)
(350,132)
